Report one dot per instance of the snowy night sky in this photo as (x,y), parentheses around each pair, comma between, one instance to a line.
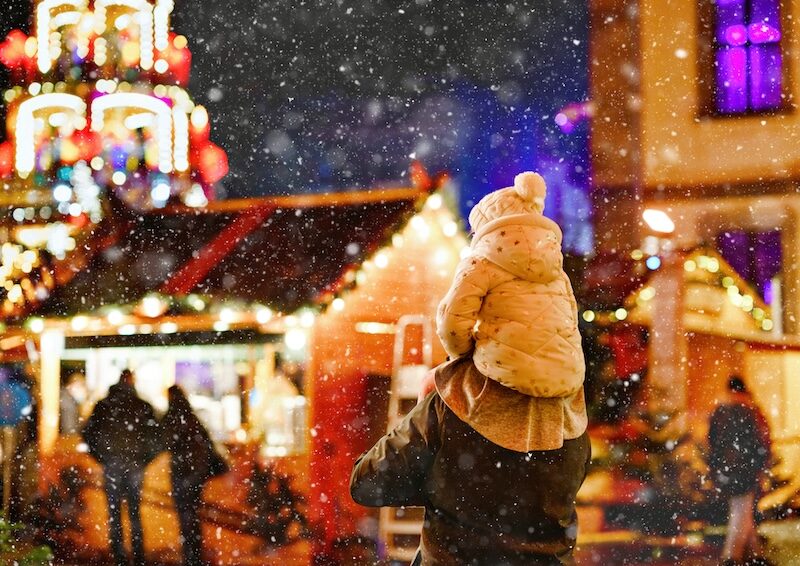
(312,96)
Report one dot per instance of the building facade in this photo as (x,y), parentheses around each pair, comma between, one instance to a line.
(695,117)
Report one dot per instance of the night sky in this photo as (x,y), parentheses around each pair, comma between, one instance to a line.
(310,96)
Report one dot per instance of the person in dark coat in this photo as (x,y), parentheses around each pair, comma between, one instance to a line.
(485,503)
(122,435)
(194,460)
(739,443)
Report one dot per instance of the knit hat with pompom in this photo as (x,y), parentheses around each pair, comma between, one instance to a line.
(525,197)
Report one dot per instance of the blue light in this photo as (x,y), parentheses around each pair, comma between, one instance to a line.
(653,262)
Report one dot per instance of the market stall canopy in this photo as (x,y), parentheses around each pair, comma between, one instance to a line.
(717,300)
(283,252)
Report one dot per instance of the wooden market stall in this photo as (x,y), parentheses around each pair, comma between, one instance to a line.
(276,314)
(352,355)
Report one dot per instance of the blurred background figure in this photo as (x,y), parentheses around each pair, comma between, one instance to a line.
(18,450)
(194,460)
(739,440)
(71,400)
(122,435)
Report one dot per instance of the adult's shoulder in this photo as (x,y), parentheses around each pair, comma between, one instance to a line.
(101,405)
(721,415)
(145,406)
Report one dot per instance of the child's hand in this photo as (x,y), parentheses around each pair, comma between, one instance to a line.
(428,384)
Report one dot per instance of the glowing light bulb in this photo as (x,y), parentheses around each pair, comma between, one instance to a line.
(420,226)
(161,192)
(434,201)
(62,193)
(199,117)
(381,260)
(152,306)
(79,323)
(307,319)
(168,328)
(36,325)
(295,339)
(115,317)
(653,262)
(658,220)
(263,315)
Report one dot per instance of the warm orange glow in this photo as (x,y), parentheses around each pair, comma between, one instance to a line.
(52,344)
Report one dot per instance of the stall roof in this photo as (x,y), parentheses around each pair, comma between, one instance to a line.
(284,252)
(717,300)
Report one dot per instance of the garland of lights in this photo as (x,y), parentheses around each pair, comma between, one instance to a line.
(417,226)
(698,261)
(132,319)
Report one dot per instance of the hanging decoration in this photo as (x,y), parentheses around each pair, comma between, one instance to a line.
(104,86)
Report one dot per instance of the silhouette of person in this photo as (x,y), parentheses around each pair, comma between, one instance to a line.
(194,460)
(122,435)
(739,440)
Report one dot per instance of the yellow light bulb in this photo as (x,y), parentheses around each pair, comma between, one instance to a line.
(199,117)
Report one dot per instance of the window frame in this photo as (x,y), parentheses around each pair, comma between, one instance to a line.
(706,72)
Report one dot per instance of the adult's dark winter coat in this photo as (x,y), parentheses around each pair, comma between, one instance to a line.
(193,457)
(122,432)
(739,440)
(484,504)
(193,461)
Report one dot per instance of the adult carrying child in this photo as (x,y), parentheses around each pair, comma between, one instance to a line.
(498,449)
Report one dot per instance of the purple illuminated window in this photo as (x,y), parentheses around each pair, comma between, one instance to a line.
(756,256)
(747,37)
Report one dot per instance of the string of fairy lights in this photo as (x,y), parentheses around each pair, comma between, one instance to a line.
(702,263)
(433,224)
(434,221)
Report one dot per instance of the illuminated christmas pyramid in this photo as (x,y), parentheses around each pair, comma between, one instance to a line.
(99,106)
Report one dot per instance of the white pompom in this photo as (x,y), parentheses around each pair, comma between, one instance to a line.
(530,186)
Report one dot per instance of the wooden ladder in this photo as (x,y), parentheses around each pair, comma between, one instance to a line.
(400,527)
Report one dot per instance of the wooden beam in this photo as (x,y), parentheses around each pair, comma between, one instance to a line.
(196,269)
(352,198)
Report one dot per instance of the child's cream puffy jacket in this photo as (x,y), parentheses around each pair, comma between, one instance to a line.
(511,303)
